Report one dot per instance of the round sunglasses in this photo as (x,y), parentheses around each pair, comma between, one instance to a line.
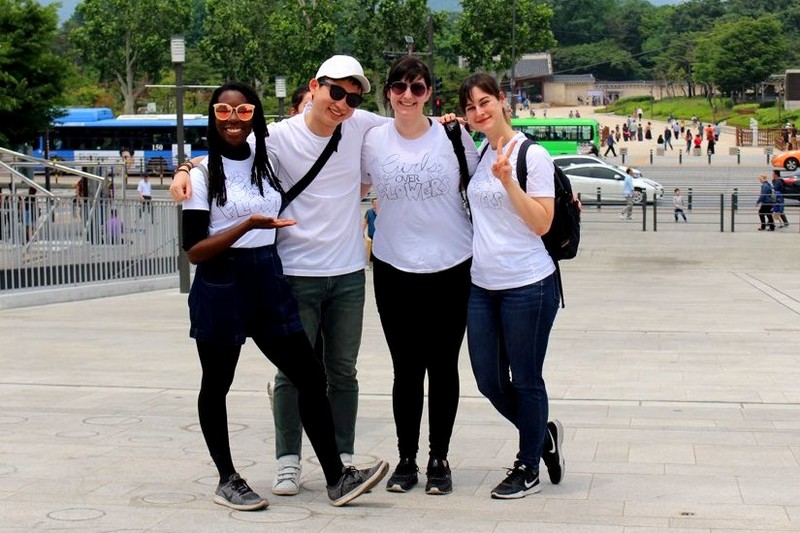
(338,92)
(399,88)
(224,112)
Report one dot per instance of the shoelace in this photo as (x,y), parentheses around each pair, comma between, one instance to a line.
(240,486)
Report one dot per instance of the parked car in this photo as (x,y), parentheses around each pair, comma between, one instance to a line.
(587,178)
(565,161)
(790,160)
(791,186)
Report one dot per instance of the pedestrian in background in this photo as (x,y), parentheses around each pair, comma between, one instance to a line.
(765,204)
(627,192)
(368,226)
(301,97)
(677,202)
(778,208)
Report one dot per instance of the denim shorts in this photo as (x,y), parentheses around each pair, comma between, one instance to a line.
(241,293)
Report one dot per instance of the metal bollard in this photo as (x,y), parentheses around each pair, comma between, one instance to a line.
(644,211)
(655,213)
(680,157)
(689,199)
(709,158)
(722,212)
(651,157)
(598,198)
(734,207)
(738,156)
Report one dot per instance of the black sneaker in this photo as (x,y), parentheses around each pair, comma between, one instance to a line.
(551,454)
(519,482)
(354,483)
(440,481)
(404,477)
(237,494)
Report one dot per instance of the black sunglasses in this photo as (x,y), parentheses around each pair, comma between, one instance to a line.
(338,92)
(400,87)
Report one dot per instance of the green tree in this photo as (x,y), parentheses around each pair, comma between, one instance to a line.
(606,60)
(486,32)
(128,41)
(740,54)
(31,74)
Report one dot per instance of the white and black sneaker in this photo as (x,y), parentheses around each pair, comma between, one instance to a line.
(520,481)
(551,454)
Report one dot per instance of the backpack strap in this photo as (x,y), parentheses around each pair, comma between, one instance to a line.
(522,178)
(453,130)
(306,180)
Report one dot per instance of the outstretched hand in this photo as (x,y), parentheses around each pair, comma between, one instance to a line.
(263,222)
(501,168)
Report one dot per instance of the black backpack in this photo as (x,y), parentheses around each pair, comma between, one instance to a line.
(562,239)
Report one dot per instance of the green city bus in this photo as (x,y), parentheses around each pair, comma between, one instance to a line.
(558,135)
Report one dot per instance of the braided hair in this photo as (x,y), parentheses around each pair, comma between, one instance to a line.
(261,166)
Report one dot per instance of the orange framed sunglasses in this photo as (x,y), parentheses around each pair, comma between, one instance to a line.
(224,112)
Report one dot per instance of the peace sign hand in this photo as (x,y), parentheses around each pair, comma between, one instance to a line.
(501,168)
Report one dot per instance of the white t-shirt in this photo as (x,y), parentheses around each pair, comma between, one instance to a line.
(506,253)
(145,188)
(327,239)
(422,226)
(244,200)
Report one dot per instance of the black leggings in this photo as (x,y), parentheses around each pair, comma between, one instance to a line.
(294,356)
(427,339)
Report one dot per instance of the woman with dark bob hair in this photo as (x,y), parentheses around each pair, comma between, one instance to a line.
(239,291)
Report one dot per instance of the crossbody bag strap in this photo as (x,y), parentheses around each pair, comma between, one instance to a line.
(306,180)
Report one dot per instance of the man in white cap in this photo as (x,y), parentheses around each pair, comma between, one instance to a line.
(323,255)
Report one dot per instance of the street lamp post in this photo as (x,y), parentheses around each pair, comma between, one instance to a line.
(280,92)
(409,44)
(513,57)
(178,53)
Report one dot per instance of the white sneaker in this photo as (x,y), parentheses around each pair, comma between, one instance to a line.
(346,458)
(287,479)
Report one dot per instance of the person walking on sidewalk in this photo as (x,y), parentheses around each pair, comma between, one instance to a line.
(421,260)
(677,202)
(765,204)
(239,291)
(610,144)
(778,208)
(627,192)
(514,297)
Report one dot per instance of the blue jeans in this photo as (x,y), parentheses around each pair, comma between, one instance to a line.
(507,333)
(332,307)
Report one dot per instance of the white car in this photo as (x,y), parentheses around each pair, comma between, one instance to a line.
(586,179)
(565,161)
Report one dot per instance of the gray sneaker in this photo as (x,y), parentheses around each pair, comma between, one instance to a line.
(237,494)
(354,483)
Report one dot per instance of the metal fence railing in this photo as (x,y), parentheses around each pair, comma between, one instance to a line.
(58,241)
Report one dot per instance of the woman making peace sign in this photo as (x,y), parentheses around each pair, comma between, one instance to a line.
(514,295)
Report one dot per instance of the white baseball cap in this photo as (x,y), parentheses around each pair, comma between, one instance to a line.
(340,67)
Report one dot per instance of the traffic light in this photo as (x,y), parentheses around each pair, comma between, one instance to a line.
(437,85)
(437,106)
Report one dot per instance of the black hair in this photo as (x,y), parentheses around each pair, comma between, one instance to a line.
(479,80)
(406,68)
(261,167)
(297,97)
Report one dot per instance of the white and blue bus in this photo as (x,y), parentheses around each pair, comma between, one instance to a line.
(95,134)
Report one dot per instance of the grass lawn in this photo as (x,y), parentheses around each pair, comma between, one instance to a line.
(684,108)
